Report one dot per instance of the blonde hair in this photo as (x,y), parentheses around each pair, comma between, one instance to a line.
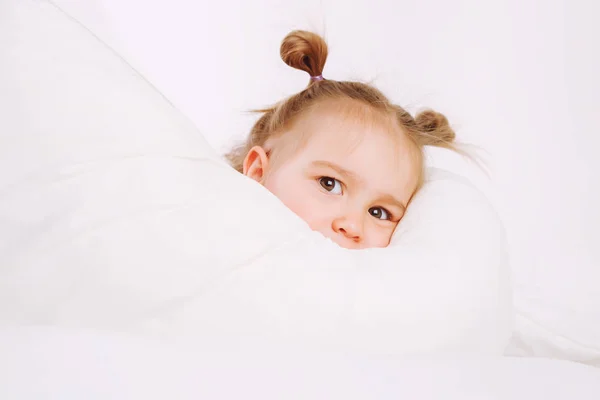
(307,51)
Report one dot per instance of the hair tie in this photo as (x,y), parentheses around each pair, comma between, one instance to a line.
(317,78)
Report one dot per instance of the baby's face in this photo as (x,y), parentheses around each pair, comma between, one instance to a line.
(350,181)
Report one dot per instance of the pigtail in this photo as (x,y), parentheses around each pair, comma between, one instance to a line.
(430,128)
(305,51)
(434,130)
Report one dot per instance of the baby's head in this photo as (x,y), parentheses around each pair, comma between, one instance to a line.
(340,154)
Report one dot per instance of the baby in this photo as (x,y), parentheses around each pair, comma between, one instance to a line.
(340,154)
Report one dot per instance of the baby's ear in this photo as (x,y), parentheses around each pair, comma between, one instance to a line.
(256,164)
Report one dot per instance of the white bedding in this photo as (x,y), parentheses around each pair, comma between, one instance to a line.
(43,363)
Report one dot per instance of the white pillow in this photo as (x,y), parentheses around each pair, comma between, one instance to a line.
(115,214)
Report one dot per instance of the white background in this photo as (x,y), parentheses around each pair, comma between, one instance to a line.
(518,78)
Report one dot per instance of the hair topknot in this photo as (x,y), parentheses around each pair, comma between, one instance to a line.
(435,128)
(305,51)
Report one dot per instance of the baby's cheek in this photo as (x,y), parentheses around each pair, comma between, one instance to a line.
(304,207)
(290,195)
(309,209)
(379,236)
(388,235)
(301,197)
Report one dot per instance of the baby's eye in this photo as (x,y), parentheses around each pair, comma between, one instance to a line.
(331,185)
(379,213)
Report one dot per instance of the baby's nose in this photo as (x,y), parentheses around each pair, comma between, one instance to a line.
(349,225)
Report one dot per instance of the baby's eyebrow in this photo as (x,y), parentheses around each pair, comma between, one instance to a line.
(388,198)
(340,170)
